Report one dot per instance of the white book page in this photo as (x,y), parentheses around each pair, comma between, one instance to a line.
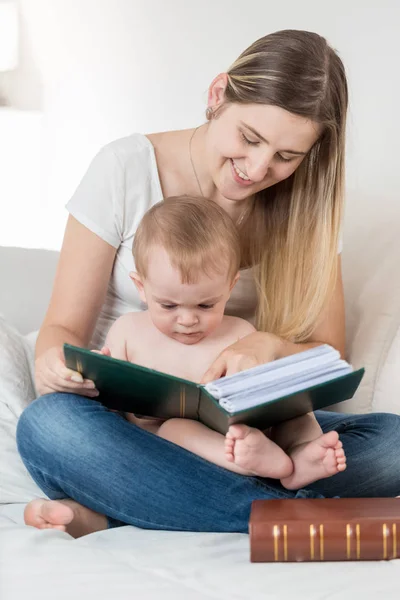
(235,403)
(278,378)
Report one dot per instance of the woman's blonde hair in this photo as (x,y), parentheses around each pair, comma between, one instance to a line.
(197,234)
(291,232)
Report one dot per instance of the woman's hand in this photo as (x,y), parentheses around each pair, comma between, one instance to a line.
(52,375)
(104,351)
(250,351)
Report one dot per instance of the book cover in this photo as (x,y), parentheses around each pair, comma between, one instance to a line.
(131,388)
(326,529)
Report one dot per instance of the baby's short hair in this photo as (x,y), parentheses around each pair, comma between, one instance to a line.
(197,234)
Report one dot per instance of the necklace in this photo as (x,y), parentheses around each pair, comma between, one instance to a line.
(191,160)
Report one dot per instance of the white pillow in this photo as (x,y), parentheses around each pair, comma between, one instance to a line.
(16,392)
(373,311)
(387,387)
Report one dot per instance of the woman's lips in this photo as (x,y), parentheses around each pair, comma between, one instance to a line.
(237,178)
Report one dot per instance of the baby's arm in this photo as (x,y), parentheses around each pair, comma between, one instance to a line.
(116,338)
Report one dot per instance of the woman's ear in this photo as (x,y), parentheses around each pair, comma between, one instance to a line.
(234,281)
(216,91)
(137,280)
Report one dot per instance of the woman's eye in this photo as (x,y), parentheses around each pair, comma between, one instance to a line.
(282,158)
(206,306)
(247,141)
(168,306)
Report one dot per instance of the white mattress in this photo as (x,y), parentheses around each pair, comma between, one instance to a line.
(134,563)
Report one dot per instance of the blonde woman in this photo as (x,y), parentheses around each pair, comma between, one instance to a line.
(271,153)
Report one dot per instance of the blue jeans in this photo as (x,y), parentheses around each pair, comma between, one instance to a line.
(74,447)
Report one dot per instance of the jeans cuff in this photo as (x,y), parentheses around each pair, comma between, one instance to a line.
(111,523)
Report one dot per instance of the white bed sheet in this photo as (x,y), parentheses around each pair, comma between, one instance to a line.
(134,563)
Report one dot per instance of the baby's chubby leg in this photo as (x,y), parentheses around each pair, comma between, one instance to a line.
(255,454)
(148,423)
(296,431)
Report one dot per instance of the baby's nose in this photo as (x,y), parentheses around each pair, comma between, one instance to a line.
(187,319)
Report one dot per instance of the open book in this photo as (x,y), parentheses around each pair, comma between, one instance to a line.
(260,397)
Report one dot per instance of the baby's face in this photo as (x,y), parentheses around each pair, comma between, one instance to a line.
(184,312)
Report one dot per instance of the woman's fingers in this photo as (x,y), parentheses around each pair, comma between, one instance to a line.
(250,351)
(229,363)
(52,375)
(50,383)
(217,370)
(240,363)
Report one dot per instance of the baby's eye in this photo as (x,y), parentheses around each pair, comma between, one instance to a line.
(168,306)
(206,306)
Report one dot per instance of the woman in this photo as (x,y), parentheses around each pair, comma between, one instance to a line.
(272,155)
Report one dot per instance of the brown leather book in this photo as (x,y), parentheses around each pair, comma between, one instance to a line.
(305,529)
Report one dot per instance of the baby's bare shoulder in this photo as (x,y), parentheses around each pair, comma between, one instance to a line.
(130,318)
(237,327)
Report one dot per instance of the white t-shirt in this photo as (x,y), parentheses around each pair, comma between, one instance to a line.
(121,184)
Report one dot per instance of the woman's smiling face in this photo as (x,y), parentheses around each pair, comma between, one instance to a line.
(250,147)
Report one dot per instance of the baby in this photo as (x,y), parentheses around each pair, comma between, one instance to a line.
(187,256)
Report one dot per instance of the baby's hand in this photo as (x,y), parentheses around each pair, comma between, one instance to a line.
(105,351)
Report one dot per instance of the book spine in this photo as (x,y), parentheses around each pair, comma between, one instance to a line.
(299,541)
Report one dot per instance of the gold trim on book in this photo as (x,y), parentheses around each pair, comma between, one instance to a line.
(358,547)
(182,401)
(79,366)
(394,532)
(285,542)
(385,532)
(276,541)
(348,540)
(321,542)
(312,536)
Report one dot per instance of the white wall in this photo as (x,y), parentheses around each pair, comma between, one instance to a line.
(100,69)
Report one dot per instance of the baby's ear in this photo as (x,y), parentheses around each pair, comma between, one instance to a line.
(137,280)
(234,281)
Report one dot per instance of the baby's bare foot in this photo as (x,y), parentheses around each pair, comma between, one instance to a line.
(64,515)
(316,460)
(255,453)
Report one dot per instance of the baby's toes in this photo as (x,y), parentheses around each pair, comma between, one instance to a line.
(229,444)
(340,459)
(229,454)
(340,454)
(241,450)
(238,432)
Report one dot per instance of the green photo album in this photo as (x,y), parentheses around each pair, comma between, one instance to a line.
(260,397)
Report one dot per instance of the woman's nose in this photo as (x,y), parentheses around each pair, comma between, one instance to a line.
(258,168)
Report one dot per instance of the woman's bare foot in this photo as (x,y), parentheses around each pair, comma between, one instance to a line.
(315,460)
(255,453)
(64,515)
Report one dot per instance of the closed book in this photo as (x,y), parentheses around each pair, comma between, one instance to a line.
(259,397)
(324,529)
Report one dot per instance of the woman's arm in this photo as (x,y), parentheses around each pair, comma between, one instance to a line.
(79,291)
(259,347)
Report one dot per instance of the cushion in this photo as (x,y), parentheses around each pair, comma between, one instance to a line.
(371,274)
(16,391)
